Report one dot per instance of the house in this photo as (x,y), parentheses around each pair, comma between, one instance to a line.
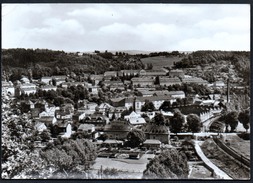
(108,75)
(8,88)
(65,112)
(47,80)
(153,131)
(28,91)
(78,116)
(48,87)
(152,73)
(40,127)
(104,108)
(135,119)
(176,94)
(219,84)
(86,129)
(96,78)
(148,93)
(167,81)
(93,89)
(152,144)
(25,80)
(142,81)
(117,129)
(176,73)
(117,102)
(116,112)
(58,82)
(62,128)
(98,120)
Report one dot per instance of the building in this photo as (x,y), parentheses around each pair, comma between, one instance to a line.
(194,80)
(86,129)
(176,73)
(138,102)
(28,91)
(152,73)
(104,108)
(98,120)
(128,72)
(142,81)
(47,80)
(155,132)
(8,88)
(167,81)
(48,88)
(135,119)
(176,94)
(97,78)
(152,144)
(117,129)
(62,128)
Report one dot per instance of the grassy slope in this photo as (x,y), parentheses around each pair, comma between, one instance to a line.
(160,61)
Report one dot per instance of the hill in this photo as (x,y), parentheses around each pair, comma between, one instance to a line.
(161,61)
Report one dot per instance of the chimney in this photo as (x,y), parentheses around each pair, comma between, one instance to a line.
(228,90)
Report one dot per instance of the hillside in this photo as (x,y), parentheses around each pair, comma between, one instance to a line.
(161,61)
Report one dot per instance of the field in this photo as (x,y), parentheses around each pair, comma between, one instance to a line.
(225,162)
(161,61)
(239,145)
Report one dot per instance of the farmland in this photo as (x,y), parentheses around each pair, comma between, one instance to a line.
(161,61)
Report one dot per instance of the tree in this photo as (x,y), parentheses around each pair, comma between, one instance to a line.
(135,137)
(159,119)
(193,123)
(166,105)
(177,121)
(157,80)
(244,119)
(148,106)
(231,119)
(170,164)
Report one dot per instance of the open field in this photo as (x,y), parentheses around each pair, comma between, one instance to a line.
(161,61)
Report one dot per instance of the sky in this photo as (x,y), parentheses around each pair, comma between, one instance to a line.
(146,27)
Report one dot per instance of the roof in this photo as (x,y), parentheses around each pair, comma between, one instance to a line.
(46,77)
(152,98)
(137,121)
(48,86)
(176,93)
(110,73)
(118,125)
(143,79)
(177,70)
(85,127)
(152,141)
(109,141)
(151,128)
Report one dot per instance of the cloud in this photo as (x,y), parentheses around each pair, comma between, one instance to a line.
(86,27)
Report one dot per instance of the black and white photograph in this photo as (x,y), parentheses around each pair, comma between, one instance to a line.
(134,91)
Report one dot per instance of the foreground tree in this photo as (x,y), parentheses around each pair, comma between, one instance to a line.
(193,123)
(170,164)
(177,121)
(148,106)
(159,119)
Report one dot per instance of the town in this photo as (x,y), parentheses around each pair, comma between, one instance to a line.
(139,116)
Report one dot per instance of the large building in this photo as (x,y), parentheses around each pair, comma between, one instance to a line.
(143,81)
(152,73)
(167,81)
(176,73)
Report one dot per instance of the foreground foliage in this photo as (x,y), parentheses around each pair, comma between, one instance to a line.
(170,164)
